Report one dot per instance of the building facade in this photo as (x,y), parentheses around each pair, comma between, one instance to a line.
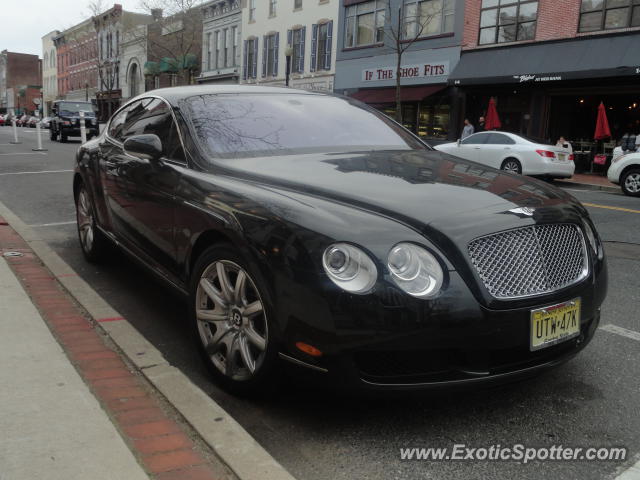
(134,56)
(77,62)
(221,42)
(111,27)
(174,48)
(20,82)
(369,38)
(49,72)
(290,38)
(550,63)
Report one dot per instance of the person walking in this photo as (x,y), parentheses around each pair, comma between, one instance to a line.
(467,129)
(562,143)
(480,125)
(628,143)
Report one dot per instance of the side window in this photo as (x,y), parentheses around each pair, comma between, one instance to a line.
(477,139)
(117,123)
(154,116)
(500,139)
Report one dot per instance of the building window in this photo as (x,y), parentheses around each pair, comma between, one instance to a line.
(321,46)
(218,49)
(252,10)
(270,55)
(209,51)
(297,38)
(225,35)
(423,18)
(604,15)
(364,23)
(272,8)
(234,58)
(297,4)
(251,58)
(510,21)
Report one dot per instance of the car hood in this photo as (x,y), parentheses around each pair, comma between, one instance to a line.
(418,188)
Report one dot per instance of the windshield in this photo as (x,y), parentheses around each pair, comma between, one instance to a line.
(71,108)
(240,126)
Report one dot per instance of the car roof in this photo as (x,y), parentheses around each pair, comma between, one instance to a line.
(175,94)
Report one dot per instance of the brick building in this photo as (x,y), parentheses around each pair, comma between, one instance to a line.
(20,81)
(549,64)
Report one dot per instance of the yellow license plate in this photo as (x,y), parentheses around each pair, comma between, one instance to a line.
(554,324)
(562,157)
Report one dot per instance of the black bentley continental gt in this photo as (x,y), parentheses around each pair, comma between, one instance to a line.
(309,228)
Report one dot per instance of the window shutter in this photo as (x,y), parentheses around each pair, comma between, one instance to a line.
(254,67)
(276,53)
(327,52)
(303,37)
(245,63)
(265,51)
(290,44)
(314,47)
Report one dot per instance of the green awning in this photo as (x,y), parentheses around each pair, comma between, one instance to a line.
(169,65)
(189,62)
(151,68)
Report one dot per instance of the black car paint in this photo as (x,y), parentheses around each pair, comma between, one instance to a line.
(282,212)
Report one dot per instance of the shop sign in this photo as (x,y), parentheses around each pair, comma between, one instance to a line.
(537,78)
(436,69)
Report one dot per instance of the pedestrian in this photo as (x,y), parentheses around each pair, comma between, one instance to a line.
(562,143)
(628,142)
(480,125)
(637,142)
(467,129)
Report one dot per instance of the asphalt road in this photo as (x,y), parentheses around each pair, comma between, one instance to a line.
(591,401)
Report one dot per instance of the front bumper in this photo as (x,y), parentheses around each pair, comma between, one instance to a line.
(73,131)
(397,344)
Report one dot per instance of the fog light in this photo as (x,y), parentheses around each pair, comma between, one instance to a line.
(308,349)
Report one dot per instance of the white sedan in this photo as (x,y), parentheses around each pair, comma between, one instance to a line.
(513,153)
(625,171)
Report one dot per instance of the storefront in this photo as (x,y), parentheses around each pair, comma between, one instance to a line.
(551,89)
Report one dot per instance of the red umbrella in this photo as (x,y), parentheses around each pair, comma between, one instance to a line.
(492,122)
(602,125)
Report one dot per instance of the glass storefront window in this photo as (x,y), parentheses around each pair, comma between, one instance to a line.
(427,119)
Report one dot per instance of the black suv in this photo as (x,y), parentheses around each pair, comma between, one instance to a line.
(65,120)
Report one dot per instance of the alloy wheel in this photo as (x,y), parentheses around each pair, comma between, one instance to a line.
(85,220)
(632,183)
(511,167)
(231,320)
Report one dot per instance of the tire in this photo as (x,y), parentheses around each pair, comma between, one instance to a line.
(53,136)
(511,165)
(63,137)
(222,323)
(630,182)
(93,242)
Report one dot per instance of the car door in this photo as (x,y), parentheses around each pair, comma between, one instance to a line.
(498,147)
(469,148)
(151,185)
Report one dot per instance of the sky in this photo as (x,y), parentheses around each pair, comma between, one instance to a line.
(23,23)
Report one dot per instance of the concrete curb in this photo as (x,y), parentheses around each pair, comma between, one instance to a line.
(231,442)
(588,186)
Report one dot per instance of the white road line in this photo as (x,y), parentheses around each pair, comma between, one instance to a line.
(633,335)
(54,224)
(41,171)
(24,153)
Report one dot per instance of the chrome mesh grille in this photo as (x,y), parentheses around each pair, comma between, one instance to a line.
(530,260)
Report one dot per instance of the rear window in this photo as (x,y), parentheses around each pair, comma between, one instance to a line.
(239,125)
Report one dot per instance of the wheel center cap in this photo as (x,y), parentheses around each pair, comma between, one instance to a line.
(236,318)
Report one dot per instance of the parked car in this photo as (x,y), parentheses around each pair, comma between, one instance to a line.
(625,171)
(45,122)
(513,153)
(2,120)
(31,123)
(311,230)
(65,121)
(22,120)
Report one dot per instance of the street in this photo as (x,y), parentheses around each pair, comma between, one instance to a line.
(590,401)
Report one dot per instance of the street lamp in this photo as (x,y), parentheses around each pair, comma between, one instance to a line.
(288,52)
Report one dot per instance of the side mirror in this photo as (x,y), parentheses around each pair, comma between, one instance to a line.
(146,147)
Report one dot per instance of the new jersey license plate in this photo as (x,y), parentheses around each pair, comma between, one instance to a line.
(554,324)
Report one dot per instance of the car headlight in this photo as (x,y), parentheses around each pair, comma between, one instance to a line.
(415,270)
(593,240)
(349,268)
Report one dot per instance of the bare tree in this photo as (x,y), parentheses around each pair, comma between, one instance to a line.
(410,27)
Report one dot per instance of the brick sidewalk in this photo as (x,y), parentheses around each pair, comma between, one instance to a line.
(589,179)
(163,445)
